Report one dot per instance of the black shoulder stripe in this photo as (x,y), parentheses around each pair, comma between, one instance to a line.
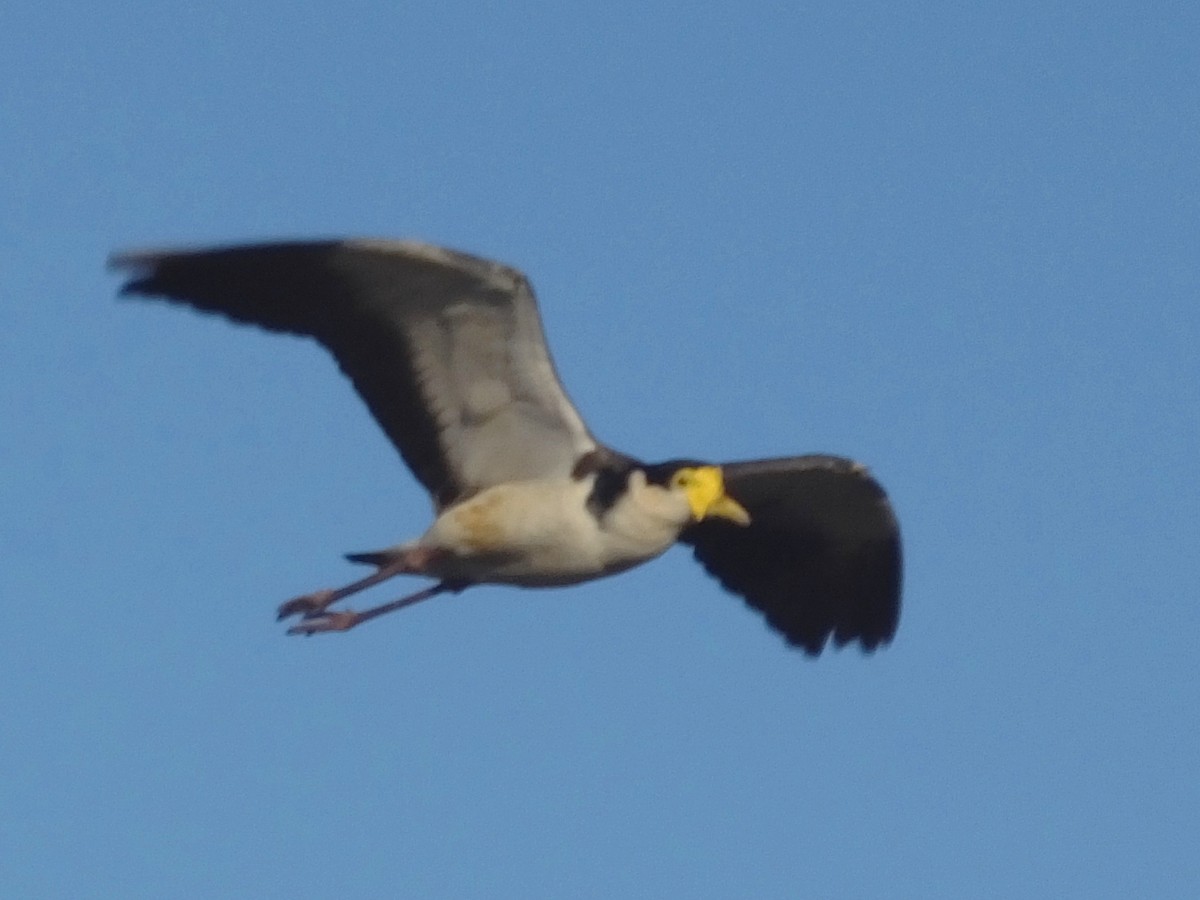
(611,471)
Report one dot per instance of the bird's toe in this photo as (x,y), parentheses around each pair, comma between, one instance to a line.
(342,620)
(307,605)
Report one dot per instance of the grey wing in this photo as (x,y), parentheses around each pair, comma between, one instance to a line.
(446,349)
(821,555)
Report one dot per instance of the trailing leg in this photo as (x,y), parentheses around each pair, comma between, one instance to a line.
(345,619)
(404,561)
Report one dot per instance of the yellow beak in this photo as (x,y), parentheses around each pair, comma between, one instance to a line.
(725,507)
(705,487)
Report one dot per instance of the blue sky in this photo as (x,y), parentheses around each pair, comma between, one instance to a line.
(956,243)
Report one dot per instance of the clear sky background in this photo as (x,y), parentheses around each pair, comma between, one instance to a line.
(956,242)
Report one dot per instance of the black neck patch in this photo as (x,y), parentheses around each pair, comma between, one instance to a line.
(610,484)
(611,470)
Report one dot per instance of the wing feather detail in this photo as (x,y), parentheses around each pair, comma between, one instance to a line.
(446,349)
(821,557)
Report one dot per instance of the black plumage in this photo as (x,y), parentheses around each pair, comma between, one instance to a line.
(821,555)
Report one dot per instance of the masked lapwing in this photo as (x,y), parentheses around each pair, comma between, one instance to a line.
(448,353)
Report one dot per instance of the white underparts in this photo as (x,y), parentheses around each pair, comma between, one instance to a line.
(541,533)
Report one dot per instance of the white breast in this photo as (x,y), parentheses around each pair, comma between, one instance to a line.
(541,533)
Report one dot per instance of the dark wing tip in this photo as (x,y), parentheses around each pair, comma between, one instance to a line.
(821,558)
(138,266)
(279,285)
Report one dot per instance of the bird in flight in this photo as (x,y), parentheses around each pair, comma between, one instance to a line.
(447,351)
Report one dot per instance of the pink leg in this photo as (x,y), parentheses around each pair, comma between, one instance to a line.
(413,562)
(344,620)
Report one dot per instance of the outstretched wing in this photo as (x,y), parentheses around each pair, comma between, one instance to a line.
(446,349)
(821,555)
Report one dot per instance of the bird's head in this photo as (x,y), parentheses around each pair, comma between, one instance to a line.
(703,487)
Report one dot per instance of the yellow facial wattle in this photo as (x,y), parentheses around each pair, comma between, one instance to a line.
(704,487)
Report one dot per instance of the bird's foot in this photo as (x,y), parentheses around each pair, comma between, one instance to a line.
(308,605)
(321,619)
(320,623)
(312,605)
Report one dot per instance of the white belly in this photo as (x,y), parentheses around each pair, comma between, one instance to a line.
(540,533)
